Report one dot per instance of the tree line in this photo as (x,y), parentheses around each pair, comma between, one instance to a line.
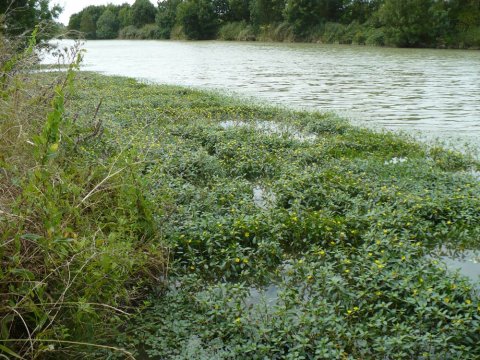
(402,23)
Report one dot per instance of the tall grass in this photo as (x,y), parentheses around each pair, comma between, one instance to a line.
(77,241)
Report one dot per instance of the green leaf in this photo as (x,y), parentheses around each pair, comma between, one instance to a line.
(10,352)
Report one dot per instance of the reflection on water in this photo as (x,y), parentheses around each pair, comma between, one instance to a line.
(263,198)
(267,296)
(435,91)
(467,262)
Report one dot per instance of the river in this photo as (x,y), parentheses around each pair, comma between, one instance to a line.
(433,93)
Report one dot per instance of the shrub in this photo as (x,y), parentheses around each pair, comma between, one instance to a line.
(236,31)
(147,32)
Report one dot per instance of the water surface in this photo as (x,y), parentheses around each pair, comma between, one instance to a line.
(436,92)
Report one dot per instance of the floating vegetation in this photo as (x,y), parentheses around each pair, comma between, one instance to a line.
(340,230)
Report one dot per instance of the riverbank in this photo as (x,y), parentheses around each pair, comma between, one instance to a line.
(331,33)
(222,198)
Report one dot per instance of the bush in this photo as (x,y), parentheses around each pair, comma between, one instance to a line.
(177,33)
(333,32)
(276,32)
(129,32)
(375,37)
(147,32)
(236,31)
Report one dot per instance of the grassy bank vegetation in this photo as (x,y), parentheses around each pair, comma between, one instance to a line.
(78,245)
(140,220)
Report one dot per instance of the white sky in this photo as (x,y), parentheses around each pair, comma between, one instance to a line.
(74,6)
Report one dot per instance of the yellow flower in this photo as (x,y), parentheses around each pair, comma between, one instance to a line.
(468,301)
(237,260)
(310,277)
(245,261)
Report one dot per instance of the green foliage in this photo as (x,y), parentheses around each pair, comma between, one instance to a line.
(238,10)
(359,10)
(264,12)
(239,31)
(88,21)
(414,23)
(143,13)
(306,14)
(244,196)
(166,17)
(107,25)
(77,237)
(149,31)
(20,17)
(125,16)
(320,211)
(198,19)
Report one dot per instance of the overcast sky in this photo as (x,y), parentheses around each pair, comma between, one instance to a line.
(73,6)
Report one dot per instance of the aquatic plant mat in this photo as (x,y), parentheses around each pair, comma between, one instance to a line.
(291,235)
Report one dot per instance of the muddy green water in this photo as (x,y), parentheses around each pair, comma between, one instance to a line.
(434,92)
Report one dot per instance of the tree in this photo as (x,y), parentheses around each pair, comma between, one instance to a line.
(464,14)
(74,22)
(238,10)
(359,10)
(24,15)
(414,23)
(107,25)
(198,19)
(125,16)
(88,26)
(143,12)
(305,14)
(166,17)
(266,11)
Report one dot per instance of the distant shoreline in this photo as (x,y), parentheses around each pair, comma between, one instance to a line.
(473,48)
